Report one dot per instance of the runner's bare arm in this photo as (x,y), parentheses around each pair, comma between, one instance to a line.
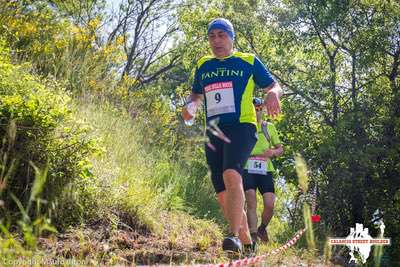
(276,151)
(272,99)
(192,98)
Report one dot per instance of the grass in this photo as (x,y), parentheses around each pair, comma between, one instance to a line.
(133,192)
(134,178)
(145,207)
(155,189)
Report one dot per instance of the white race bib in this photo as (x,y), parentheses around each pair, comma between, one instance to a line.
(257,165)
(220,98)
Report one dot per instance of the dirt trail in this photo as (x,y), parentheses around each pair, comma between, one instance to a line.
(100,245)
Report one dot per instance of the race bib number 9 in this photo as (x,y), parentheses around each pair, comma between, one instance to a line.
(257,165)
(220,98)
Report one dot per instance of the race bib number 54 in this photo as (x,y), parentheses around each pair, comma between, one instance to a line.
(220,98)
(257,165)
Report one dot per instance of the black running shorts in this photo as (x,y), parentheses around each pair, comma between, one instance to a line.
(263,182)
(231,155)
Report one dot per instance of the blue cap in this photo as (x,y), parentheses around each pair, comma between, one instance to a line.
(222,24)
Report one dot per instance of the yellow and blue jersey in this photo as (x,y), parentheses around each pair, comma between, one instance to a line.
(228,85)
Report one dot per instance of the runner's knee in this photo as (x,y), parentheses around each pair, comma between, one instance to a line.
(251,199)
(232,179)
(269,206)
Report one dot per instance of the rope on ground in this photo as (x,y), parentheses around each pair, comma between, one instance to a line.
(259,259)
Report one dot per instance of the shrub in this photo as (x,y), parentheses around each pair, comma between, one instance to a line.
(37,125)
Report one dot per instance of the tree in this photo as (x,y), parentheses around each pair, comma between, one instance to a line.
(338,62)
(147,28)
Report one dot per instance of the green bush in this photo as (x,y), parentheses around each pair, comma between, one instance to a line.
(38,126)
